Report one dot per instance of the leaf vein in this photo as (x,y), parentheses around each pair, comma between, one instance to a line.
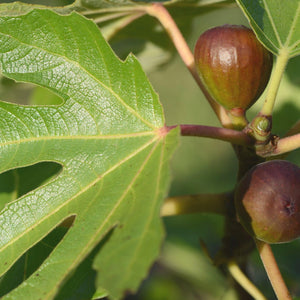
(78,137)
(88,186)
(272,23)
(84,70)
(292,28)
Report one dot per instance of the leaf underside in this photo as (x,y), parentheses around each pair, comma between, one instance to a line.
(109,138)
(276,23)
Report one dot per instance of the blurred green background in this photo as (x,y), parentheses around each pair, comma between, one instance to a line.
(200,165)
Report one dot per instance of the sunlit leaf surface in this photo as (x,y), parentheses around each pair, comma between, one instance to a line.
(110,140)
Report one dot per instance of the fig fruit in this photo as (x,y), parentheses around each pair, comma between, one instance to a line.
(267,201)
(233,65)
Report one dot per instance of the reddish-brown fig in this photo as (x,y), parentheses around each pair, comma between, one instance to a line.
(267,201)
(233,65)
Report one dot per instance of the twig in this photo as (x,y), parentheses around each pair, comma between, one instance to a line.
(125,21)
(188,204)
(111,17)
(130,9)
(273,271)
(287,144)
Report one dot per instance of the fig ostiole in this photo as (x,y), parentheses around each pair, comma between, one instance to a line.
(233,65)
(267,201)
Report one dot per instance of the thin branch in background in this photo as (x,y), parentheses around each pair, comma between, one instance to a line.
(273,271)
(130,9)
(224,134)
(158,11)
(244,281)
(110,17)
(294,129)
(189,204)
(124,19)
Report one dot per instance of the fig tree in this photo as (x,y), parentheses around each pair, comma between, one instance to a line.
(233,65)
(267,201)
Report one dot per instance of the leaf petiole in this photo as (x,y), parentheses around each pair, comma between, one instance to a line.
(281,62)
(224,134)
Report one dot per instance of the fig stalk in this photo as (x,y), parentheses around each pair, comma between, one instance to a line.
(274,274)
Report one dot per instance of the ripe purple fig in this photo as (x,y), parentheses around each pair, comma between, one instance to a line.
(267,201)
(233,65)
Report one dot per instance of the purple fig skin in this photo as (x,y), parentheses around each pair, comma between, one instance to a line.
(233,65)
(267,201)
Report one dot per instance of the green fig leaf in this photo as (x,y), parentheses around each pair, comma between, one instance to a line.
(121,21)
(276,23)
(109,139)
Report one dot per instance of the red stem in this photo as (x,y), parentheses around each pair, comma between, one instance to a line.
(224,134)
